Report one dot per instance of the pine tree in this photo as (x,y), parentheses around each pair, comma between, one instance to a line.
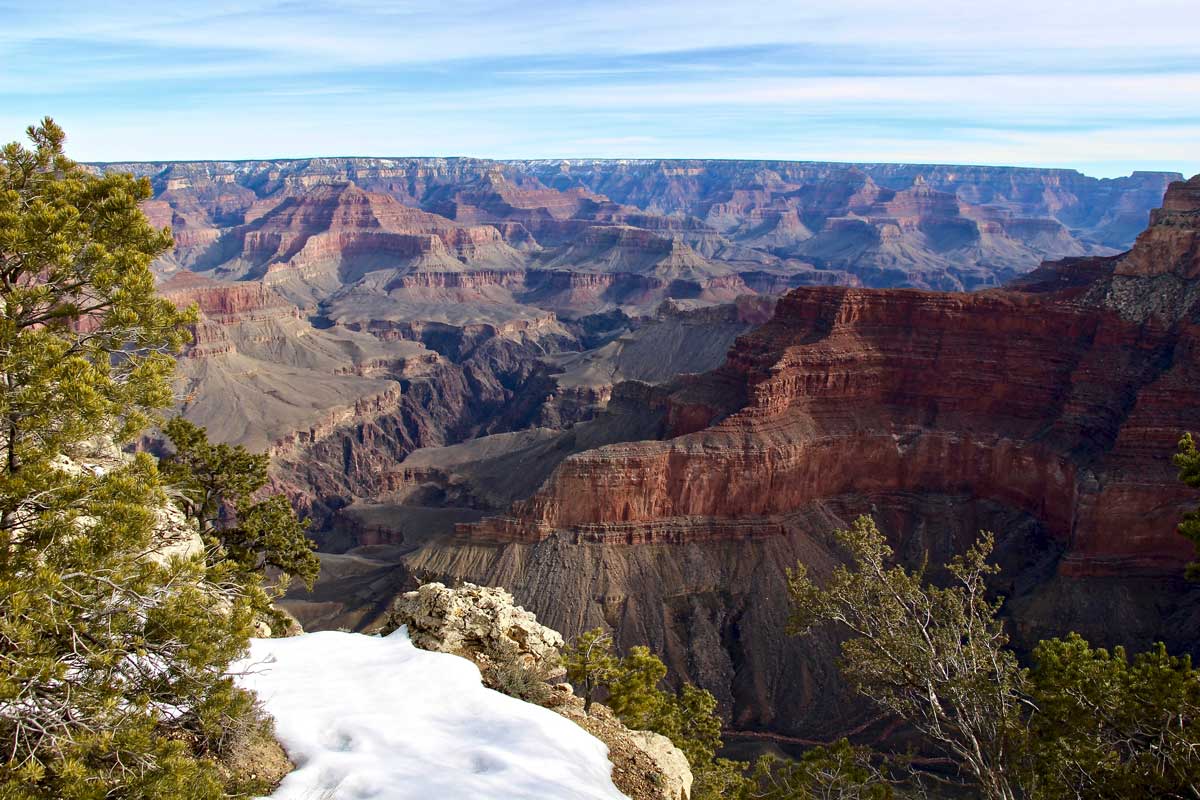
(216,485)
(633,692)
(839,771)
(934,657)
(689,718)
(113,652)
(1082,722)
(1111,726)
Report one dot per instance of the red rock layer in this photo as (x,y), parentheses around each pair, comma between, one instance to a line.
(1066,412)
(226,302)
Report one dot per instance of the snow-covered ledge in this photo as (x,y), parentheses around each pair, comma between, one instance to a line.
(374,717)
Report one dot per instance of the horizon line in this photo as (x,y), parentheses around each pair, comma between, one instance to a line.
(628,159)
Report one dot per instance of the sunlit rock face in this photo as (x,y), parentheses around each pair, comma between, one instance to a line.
(1172,242)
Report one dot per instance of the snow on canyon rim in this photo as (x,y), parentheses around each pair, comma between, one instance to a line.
(374,717)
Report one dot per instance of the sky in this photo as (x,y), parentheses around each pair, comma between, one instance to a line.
(1104,87)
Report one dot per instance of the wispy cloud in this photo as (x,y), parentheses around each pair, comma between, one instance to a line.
(1107,85)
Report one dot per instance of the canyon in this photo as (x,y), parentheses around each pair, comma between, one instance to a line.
(328,286)
(1047,412)
(634,393)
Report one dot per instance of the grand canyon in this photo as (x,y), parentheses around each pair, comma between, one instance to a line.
(670,400)
(635,393)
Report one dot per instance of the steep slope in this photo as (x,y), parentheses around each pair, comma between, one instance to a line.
(336,404)
(677,340)
(1048,415)
(257,373)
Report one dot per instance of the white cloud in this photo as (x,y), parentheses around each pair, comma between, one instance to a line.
(1021,81)
(360,33)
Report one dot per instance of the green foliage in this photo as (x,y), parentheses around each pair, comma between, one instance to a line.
(102,645)
(1082,723)
(216,485)
(1108,726)
(113,651)
(690,720)
(589,663)
(720,779)
(1188,460)
(633,692)
(630,686)
(838,772)
(935,657)
(85,344)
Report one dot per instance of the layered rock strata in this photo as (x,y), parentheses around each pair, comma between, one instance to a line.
(308,225)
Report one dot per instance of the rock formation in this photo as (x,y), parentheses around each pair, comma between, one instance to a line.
(354,310)
(479,623)
(646,766)
(680,222)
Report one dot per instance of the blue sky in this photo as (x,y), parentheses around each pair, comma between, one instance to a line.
(1105,87)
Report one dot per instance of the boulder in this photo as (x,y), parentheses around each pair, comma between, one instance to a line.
(670,761)
(480,623)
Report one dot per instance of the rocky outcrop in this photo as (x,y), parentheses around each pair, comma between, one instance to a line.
(1157,279)
(479,623)
(1171,245)
(646,765)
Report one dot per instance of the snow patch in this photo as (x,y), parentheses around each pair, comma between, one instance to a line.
(374,717)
